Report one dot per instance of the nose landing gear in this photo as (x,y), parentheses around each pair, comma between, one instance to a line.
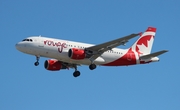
(37,61)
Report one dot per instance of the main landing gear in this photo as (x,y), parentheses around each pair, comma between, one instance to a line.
(37,61)
(92,66)
(77,73)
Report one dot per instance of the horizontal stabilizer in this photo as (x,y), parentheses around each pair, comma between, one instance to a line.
(149,56)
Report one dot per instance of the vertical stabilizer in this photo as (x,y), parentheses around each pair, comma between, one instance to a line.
(144,44)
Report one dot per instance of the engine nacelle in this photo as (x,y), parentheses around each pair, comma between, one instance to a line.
(53,65)
(76,54)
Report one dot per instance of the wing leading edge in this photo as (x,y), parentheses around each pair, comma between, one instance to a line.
(99,49)
(112,44)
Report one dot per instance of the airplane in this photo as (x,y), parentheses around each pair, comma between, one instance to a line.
(65,54)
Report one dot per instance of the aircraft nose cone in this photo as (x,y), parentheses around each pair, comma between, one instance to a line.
(19,46)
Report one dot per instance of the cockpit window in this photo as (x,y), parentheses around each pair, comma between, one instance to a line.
(27,40)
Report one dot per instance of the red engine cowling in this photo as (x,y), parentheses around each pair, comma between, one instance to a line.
(53,65)
(76,54)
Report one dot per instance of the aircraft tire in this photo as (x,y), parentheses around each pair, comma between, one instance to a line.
(92,66)
(76,74)
(36,63)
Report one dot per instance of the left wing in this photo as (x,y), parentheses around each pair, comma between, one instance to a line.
(97,50)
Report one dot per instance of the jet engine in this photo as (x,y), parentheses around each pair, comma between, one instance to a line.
(76,54)
(53,65)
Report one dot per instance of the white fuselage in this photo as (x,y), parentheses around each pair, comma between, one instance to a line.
(58,49)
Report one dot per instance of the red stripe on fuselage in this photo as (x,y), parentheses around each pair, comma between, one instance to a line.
(128,59)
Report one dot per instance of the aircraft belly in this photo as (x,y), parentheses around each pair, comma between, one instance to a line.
(110,57)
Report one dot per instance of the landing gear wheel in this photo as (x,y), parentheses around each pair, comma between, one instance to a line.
(92,66)
(36,63)
(76,74)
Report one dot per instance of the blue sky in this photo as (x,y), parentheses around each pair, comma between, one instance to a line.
(153,86)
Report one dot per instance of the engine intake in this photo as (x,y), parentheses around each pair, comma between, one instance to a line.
(53,65)
(76,54)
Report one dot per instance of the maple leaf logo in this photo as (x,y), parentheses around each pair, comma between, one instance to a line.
(144,44)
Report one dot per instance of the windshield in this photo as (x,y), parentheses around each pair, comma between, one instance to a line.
(27,40)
